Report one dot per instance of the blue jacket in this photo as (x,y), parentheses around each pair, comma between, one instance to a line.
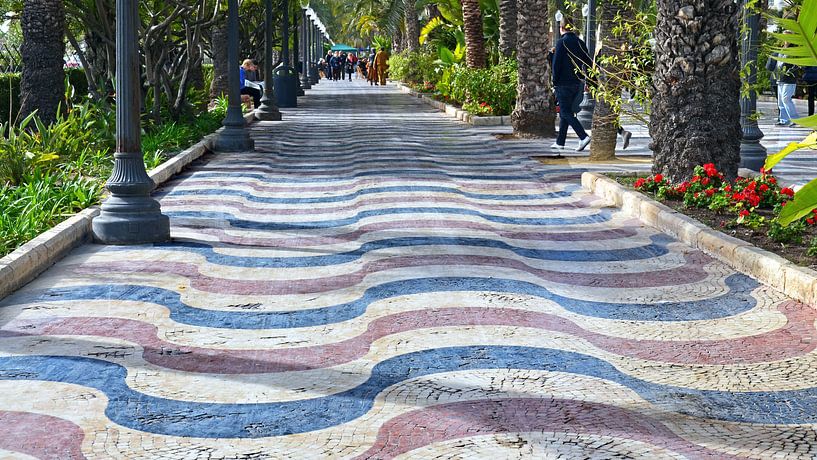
(570,55)
(242,77)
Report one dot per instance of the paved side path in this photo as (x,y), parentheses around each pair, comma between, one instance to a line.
(378,281)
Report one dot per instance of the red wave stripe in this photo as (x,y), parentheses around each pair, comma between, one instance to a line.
(41,436)
(464,419)
(796,338)
(305,241)
(262,209)
(692,271)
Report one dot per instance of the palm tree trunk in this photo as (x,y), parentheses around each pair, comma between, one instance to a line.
(42,87)
(605,118)
(218,43)
(507,27)
(533,115)
(474,38)
(412,25)
(695,111)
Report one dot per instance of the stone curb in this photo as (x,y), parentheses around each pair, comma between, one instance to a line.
(29,260)
(797,282)
(457,112)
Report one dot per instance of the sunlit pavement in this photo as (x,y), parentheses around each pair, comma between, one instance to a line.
(377,280)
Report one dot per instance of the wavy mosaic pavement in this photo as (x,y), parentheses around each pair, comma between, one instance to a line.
(432,294)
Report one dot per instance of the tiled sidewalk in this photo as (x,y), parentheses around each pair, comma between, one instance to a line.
(378,281)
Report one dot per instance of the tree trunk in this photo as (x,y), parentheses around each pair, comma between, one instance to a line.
(610,46)
(397,40)
(474,38)
(534,114)
(695,115)
(412,25)
(218,87)
(507,27)
(42,86)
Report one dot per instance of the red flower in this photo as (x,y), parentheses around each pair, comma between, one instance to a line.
(695,179)
(728,188)
(737,197)
(705,181)
(751,186)
(764,187)
(709,192)
(771,180)
(710,169)
(744,213)
(640,182)
(658,178)
(787,191)
(682,188)
(810,221)
(754,200)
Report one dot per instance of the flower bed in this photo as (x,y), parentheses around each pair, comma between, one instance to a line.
(744,208)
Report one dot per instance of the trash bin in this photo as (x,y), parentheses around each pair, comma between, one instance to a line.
(285,84)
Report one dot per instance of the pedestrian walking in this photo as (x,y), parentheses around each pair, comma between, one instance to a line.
(570,59)
(810,78)
(786,86)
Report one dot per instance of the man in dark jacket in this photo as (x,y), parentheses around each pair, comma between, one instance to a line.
(570,60)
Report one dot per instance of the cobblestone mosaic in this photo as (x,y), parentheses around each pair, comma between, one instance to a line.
(420,291)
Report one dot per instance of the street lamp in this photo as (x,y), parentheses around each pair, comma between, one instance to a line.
(588,104)
(752,153)
(268,110)
(285,77)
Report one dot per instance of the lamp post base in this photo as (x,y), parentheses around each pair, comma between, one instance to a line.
(752,154)
(585,116)
(233,139)
(131,220)
(267,113)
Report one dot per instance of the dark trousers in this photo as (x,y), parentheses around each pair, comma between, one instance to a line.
(254,93)
(811,89)
(566,95)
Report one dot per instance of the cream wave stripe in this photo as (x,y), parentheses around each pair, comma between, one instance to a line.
(241,207)
(475,188)
(143,412)
(85,407)
(246,189)
(270,164)
(219,254)
(799,333)
(764,318)
(614,238)
(302,263)
(606,302)
(309,385)
(544,240)
(271,204)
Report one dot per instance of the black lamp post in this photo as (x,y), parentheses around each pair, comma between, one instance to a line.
(268,110)
(305,83)
(129,215)
(234,136)
(588,104)
(752,153)
(285,77)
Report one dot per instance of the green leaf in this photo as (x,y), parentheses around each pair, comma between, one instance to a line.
(772,160)
(446,56)
(429,27)
(801,205)
(809,121)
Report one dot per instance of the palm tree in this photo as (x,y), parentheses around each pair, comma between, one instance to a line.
(507,27)
(609,74)
(695,111)
(42,86)
(412,25)
(533,115)
(474,39)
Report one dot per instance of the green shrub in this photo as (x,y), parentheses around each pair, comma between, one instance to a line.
(413,67)
(494,87)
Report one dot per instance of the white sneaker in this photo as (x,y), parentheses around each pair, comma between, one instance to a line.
(557,147)
(583,143)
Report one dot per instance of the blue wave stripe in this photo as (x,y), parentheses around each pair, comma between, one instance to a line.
(737,300)
(602,215)
(139,411)
(379,172)
(657,248)
(481,151)
(568,191)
